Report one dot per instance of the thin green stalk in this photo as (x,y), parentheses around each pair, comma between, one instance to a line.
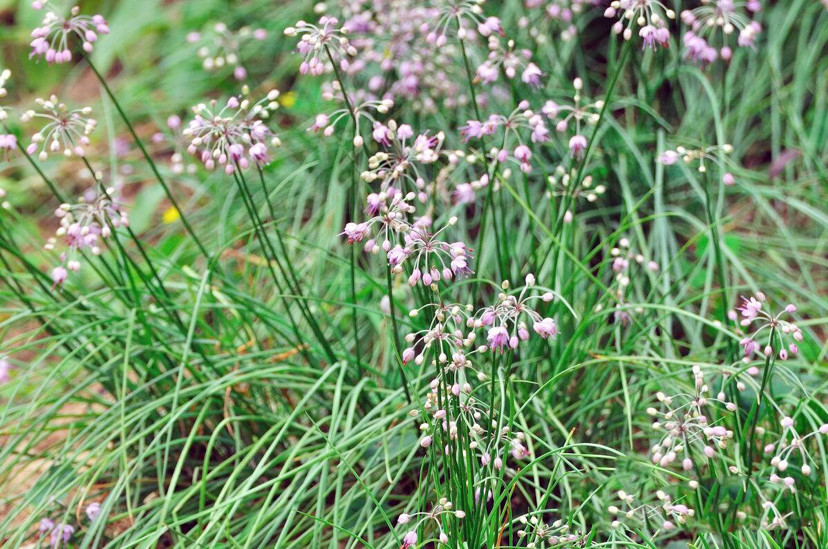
(395,330)
(352,206)
(149,159)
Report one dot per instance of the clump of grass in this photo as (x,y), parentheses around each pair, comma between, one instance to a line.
(393,275)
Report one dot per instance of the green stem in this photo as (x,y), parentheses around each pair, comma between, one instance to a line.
(394,329)
(148,158)
(352,207)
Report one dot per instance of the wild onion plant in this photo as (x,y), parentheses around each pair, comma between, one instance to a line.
(465,274)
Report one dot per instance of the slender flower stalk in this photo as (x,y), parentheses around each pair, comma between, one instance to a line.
(352,202)
(149,160)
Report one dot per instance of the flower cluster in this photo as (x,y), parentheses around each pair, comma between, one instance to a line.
(558,14)
(8,141)
(667,514)
(433,258)
(648,15)
(623,257)
(700,156)
(82,226)
(443,510)
(713,22)
(560,184)
(751,310)
(66,129)
(326,123)
(5,74)
(686,426)
(320,41)
(402,161)
(509,61)
(59,534)
(535,531)
(506,320)
(578,113)
(221,47)
(788,445)
(235,134)
(396,60)
(514,146)
(52,39)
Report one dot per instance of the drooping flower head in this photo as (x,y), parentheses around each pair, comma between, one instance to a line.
(319,41)
(66,130)
(752,310)
(402,161)
(363,111)
(578,112)
(221,47)
(53,38)
(82,227)
(689,430)
(521,128)
(433,258)
(510,61)
(506,319)
(558,17)
(440,513)
(713,23)
(791,449)
(539,533)
(562,182)
(233,134)
(700,157)
(649,16)
(467,15)
(632,516)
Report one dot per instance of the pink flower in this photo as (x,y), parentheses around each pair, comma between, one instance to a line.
(490,26)
(382,134)
(410,540)
(749,346)
(463,194)
(404,132)
(577,146)
(546,328)
(750,309)
(728,179)
(653,36)
(52,39)
(355,232)
(5,367)
(531,75)
(320,122)
(475,128)
(8,141)
(93,510)
(62,532)
(523,153)
(498,338)
(668,158)
(58,276)
(258,152)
